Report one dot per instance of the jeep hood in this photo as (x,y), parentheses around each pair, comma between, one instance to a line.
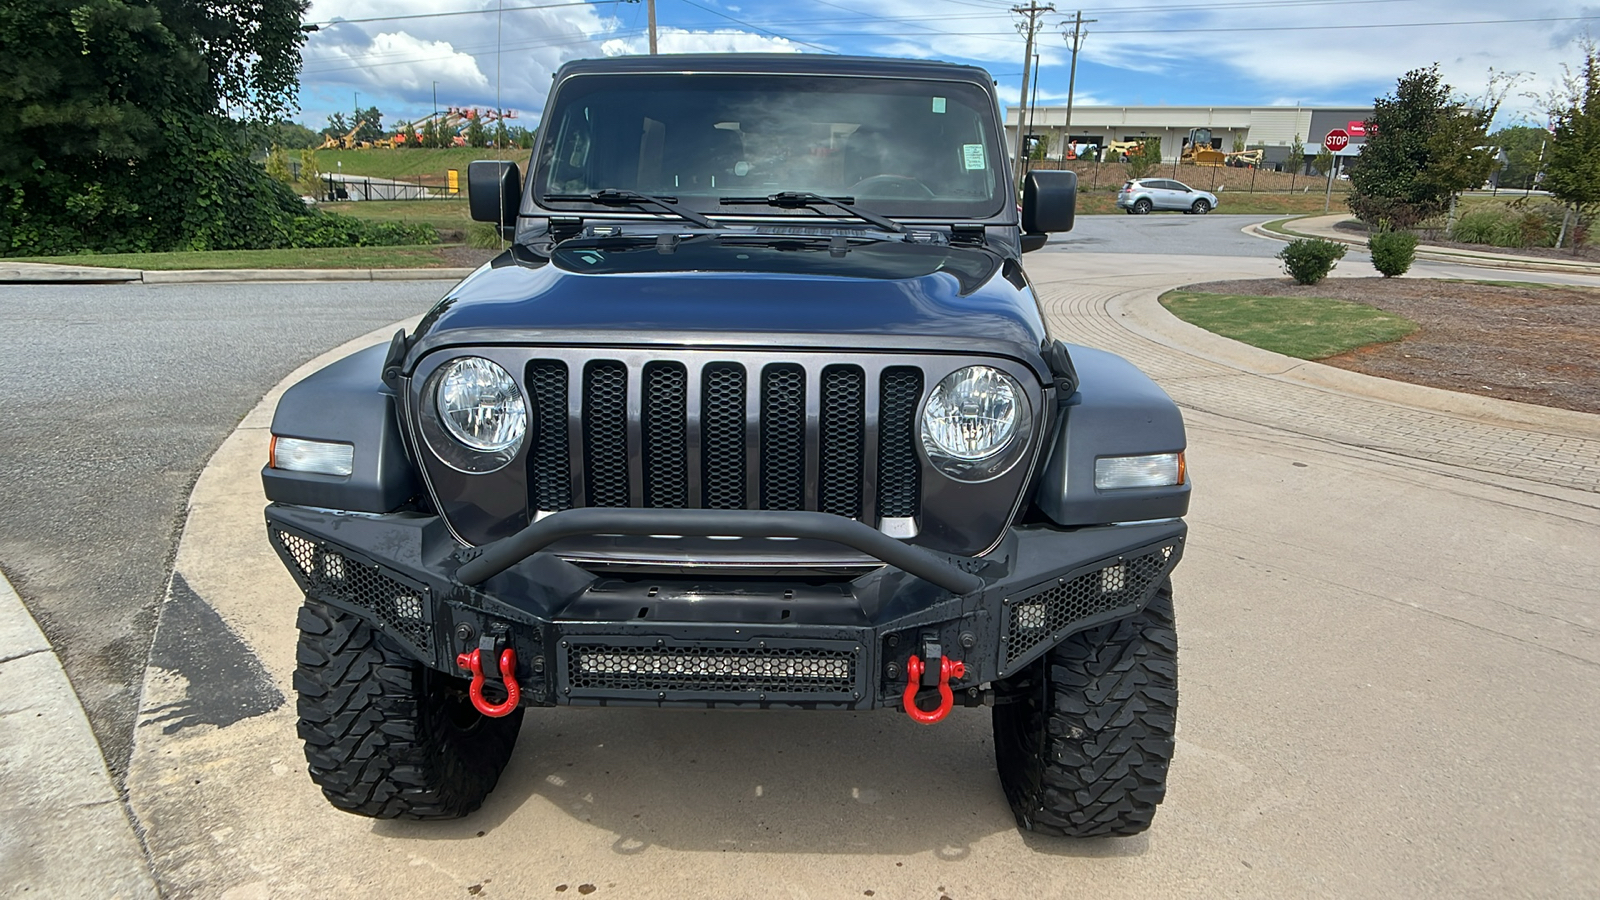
(885,295)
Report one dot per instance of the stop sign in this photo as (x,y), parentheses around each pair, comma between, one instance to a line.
(1337,140)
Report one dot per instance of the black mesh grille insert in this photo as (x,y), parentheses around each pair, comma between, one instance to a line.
(548,469)
(899,472)
(783,437)
(666,452)
(605,432)
(841,441)
(773,670)
(325,573)
(722,436)
(1040,617)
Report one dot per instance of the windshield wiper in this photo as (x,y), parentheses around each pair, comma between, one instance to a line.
(617,197)
(805,199)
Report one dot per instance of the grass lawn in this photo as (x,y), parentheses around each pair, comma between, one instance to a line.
(438,213)
(331,258)
(405,164)
(1302,327)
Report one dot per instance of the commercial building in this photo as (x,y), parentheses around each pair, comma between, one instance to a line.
(1273,129)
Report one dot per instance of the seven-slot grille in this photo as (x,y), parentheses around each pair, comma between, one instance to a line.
(669,434)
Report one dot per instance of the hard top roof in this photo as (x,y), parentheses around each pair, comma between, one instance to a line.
(779,64)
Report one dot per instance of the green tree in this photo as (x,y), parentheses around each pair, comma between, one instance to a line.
(1238,142)
(1423,147)
(1144,158)
(430,134)
(1323,162)
(311,183)
(1295,163)
(114,124)
(370,121)
(477,135)
(1572,164)
(1524,146)
(278,165)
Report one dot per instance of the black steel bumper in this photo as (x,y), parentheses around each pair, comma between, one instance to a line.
(661,639)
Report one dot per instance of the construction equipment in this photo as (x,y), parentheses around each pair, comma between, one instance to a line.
(348,140)
(1198,151)
(1117,151)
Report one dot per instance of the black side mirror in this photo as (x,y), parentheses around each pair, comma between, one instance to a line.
(1049,201)
(494,191)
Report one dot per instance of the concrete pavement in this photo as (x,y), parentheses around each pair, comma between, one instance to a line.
(63,829)
(1390,652)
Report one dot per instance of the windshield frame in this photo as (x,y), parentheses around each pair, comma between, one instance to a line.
(977,96)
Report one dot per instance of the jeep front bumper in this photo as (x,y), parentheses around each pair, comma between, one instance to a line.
(715,639)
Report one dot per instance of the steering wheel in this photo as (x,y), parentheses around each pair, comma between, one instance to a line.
(892,187)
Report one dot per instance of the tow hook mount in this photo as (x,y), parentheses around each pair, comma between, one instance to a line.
(473,662)
(939,669)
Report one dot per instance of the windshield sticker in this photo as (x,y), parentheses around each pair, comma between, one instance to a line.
(938,104)
(973,154)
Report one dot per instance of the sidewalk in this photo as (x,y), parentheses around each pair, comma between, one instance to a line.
(63,831)
(48,273)
(1324,227)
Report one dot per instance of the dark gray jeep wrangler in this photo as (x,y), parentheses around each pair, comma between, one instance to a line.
(757,411)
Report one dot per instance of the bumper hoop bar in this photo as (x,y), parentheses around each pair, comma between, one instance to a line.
(746,523)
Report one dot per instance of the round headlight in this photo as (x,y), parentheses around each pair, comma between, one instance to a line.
(972,414)
(480,405)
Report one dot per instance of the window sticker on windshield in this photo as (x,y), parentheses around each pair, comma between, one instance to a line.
(973,154)
(938,104)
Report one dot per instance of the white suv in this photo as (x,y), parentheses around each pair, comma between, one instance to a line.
(1142,195)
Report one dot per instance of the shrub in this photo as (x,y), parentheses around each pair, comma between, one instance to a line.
(1392,251)
(1309,260)
(484,236)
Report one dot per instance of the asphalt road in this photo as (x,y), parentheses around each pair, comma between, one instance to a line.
(112,398)
(1172,234)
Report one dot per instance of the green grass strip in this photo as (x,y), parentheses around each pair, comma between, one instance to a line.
(328,258)
(1302,327)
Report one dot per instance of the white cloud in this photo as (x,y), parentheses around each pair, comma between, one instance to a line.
(720,40)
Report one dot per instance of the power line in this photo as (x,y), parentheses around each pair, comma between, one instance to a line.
(759,28)
(458,12)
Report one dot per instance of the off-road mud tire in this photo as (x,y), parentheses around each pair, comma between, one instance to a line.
(1084,736)
(385,736)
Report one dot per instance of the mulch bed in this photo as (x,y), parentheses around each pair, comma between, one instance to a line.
(1534,345)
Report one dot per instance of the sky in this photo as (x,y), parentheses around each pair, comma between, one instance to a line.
(501,53)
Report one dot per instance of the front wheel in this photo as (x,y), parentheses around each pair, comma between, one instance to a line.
(384,735)
(1084,736)
(1200,208)
(1142,207)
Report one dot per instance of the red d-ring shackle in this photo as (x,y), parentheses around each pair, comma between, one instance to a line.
(508,674)
(948,669)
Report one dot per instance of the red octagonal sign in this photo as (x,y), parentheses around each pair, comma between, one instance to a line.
(1337,140)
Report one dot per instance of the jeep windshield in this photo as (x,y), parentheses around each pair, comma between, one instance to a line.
(897,147)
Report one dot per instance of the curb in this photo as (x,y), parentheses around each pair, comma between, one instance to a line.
(41,273)
(1436,254)
(64,832)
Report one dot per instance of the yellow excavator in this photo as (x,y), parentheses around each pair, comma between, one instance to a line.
(1197,151)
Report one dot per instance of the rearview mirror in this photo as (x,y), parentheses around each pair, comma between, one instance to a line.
(1049,201)
(494,191)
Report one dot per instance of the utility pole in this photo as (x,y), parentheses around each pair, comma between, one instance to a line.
(651,5)
(1078,34)
(1029,28)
